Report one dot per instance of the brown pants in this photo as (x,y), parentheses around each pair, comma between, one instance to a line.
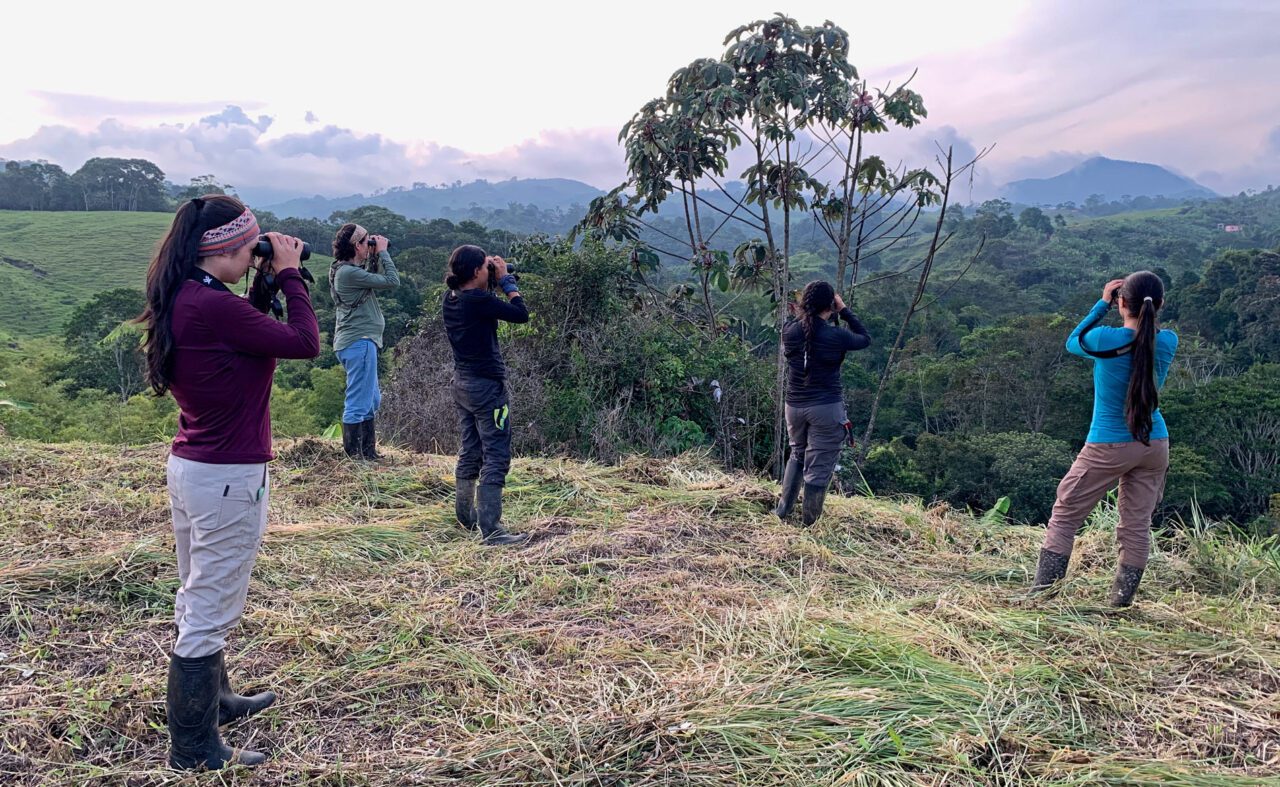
(1140,471)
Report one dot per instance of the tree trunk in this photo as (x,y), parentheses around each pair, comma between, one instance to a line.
(898,341)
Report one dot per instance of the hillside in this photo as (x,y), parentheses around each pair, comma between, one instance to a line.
(51,262)
(430,202)
(1108,177)
(660,629)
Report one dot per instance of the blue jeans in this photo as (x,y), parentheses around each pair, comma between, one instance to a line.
(363,397)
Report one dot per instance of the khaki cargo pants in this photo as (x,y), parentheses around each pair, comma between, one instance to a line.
(219,518)
(1140,472)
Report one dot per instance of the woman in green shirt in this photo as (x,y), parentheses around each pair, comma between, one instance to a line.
(361,267)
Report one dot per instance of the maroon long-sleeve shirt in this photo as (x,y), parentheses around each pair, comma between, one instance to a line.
(224,360)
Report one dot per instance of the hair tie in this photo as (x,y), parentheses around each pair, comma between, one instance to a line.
(1147,299)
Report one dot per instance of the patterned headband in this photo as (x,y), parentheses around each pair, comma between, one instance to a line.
(234,235)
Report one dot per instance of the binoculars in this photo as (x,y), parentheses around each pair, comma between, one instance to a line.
(263,249)
(493,271)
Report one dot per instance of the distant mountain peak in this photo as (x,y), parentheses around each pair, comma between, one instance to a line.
(1111,178)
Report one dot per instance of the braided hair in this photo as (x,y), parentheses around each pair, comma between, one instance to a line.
(816,298)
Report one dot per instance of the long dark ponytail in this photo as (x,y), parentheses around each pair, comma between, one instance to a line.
(173,263)
(1143,294)
(816,298)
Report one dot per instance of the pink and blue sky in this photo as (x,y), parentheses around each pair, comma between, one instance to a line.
(336,98)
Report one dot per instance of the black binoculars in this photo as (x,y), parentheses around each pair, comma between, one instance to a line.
(263,249)
(493,273)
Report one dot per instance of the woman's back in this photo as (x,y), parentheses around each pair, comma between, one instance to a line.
(813,370)
(1111,378)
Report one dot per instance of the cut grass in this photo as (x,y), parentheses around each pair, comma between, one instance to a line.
(662,628)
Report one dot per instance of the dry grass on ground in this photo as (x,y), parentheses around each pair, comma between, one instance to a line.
(661,629)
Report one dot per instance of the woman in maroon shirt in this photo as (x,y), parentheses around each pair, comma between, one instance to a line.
(217,354)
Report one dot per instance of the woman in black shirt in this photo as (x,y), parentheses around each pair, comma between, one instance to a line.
(816,418)
(471,314)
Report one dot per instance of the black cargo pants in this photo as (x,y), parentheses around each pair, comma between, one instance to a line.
(484,418)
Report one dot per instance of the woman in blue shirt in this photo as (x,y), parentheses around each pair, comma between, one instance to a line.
(1128,442)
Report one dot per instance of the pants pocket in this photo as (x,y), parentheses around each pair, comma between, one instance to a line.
(238,526)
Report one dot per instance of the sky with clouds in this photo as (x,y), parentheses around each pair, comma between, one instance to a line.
(336,98)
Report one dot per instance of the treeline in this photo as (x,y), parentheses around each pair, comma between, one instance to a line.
(100,184)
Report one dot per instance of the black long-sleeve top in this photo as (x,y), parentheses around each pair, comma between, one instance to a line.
(820,382)
(471,320)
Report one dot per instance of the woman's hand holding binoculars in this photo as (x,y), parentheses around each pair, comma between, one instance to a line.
(286,251)
(1112,287)
(500,269)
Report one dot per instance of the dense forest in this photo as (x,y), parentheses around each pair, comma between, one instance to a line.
(984,403)
(656,314)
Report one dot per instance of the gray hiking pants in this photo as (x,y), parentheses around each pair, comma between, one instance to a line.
(219,518)
(816,434)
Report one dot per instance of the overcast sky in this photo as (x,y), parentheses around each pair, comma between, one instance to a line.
(336,98)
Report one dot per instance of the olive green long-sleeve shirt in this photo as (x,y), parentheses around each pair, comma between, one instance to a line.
(358,315)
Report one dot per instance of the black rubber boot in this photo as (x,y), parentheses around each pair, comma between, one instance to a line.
(489,514)
(815,495)
(1052,567)
(464,503)
(192,705)
(369,440)
(792,478)
(233,707)
(1125,585)
(352,437)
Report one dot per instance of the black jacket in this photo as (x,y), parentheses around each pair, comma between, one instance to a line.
(471,320)
(819,381)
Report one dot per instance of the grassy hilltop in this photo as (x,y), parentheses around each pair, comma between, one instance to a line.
(50,263)
(661,629)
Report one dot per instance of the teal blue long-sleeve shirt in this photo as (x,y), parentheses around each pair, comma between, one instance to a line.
(1111,377)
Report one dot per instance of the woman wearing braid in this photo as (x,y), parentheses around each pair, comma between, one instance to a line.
(216,353)
(815,411)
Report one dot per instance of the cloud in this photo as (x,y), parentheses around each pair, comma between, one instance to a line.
(235,116)
(79,107)
(1262,169)
(329,160)
(1130,81)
